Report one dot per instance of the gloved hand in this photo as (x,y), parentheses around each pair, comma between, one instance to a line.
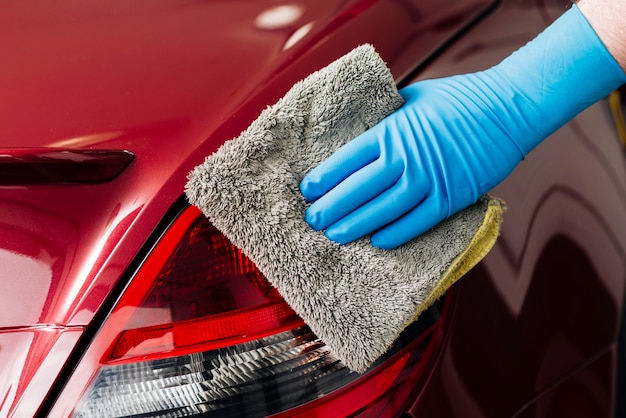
(455,138)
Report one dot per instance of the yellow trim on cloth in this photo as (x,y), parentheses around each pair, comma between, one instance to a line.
(478,248)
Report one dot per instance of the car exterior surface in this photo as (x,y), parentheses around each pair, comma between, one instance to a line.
(109,306)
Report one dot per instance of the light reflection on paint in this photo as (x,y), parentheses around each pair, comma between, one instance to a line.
(300,33)
(278,17)
(33,275)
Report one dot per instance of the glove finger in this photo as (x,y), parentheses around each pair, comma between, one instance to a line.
(419,220)
(348,159)
(358,189)
(382,210)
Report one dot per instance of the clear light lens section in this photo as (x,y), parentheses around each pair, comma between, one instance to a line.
(253,379)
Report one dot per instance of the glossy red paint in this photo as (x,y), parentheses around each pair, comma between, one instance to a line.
(168,82)
(31,357)
(172,80)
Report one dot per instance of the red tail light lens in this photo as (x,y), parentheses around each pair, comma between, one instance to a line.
(203,293)
(200,331)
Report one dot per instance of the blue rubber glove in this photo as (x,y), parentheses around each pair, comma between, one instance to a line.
(456,138)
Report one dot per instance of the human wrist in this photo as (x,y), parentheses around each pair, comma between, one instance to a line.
(607,17)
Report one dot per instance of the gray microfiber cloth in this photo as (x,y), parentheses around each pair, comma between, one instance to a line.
(355,297)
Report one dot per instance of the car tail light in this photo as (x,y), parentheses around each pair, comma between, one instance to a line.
(200,331)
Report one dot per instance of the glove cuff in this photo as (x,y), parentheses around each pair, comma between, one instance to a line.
(557,75)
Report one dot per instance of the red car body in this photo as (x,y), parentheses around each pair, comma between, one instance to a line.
(105,108)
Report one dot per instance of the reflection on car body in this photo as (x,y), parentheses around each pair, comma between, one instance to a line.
(104,282)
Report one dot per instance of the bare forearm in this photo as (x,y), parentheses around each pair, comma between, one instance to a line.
(608,17)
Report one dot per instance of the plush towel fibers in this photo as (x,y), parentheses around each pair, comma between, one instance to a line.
(356,298)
